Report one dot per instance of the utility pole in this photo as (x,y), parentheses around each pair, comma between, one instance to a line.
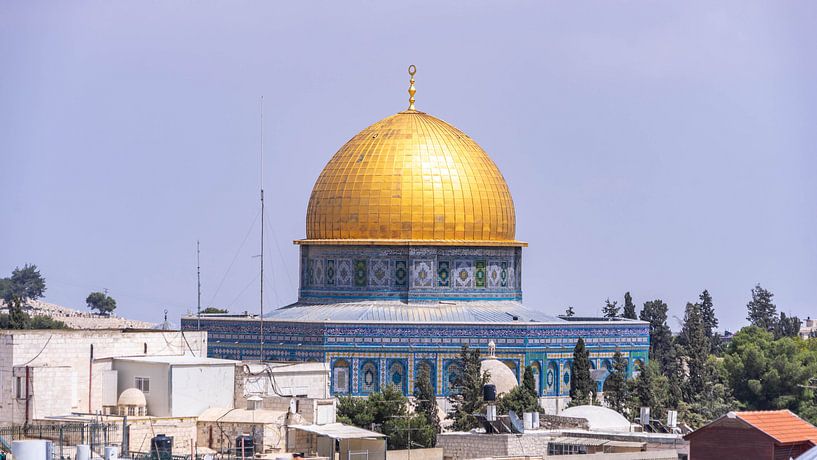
(262,229)
(198,282)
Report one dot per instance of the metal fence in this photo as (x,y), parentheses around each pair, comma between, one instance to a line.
(66,436)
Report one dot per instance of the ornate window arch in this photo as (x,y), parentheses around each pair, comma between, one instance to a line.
(340,377)
(369,378)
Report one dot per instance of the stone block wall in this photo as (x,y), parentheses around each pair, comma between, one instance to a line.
(73,349)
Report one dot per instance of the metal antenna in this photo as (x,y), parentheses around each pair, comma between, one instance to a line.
(198,282)
(262,228)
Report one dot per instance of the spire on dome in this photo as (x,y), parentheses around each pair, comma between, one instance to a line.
(411,70)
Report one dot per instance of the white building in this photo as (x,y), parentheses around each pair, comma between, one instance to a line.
(178,386)
(57,372)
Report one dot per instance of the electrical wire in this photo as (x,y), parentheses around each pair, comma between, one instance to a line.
(235,257)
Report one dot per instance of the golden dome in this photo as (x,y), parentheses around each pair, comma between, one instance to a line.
(411,179)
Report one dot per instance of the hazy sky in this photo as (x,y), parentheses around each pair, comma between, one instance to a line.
(656,147)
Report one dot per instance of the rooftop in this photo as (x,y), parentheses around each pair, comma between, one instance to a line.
(176,360)
(781,425)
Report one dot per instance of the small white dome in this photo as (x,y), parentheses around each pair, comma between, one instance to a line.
(132,397)
(499,374)
(599,418)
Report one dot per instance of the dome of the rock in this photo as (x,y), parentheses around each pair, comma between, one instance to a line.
(412,178)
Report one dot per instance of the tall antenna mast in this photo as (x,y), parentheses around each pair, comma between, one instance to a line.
(262,228)
(198,282)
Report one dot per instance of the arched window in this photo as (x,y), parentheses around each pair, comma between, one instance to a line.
(537,377)
(452,373)
(432,372)
(340,377)
(397,375)
(552,379)
(370,380)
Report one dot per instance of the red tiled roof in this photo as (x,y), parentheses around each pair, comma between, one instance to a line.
(782,425)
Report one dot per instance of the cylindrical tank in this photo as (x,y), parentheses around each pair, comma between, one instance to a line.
(244,446)
(527,419)
(30,449)
(536,420)
(161,447)
(111,453)
(83,452)
(489,392)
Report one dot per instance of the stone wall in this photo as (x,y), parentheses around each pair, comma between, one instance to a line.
(183,431)
(73,349)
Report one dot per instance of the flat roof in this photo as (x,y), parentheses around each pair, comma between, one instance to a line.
(339,431)
(176,360)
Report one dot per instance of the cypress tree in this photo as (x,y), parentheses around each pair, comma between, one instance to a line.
(466,396)
(616,392)
(426,400)
(695,345)
(655,312)
(629,307)
(709,318)
(582,387)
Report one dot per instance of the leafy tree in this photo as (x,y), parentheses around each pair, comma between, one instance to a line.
(713,401)
(629,307)
(765,373)
(655,312)
(355,411)
(101,302)
(26,283)
(709,319)
(397,431)
(388,410)
(582,386)
(19,319)
(214,310)
(569,312)
(5,286)
(426,400)
(466,396)
(611,309)
(616,390)
(522,398)
(787,326)
(650,389)
(762,312)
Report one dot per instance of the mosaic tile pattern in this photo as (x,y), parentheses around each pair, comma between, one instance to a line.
(411,176)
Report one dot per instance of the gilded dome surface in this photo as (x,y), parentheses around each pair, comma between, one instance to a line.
(411,178)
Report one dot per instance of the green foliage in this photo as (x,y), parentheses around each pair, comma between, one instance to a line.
(761,311)
(466,396)
(422,433)
(426,401)
(695,347)
(787,326)
(582,386)
(101,302)
(616,389)
(765,373)
(629,307)
(714,400)
(26,283)
(214,310)
(709,319)
(650,389)
(569,312)
(19,319)
(522,398)
(611,309)
(387,410)
(655,312)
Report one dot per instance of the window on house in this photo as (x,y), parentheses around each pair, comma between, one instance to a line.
(143,384)
(18,388)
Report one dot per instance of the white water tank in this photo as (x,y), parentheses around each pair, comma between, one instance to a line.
(31,449)
(527,419)
(536,420)
(83,452)
(111,453)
